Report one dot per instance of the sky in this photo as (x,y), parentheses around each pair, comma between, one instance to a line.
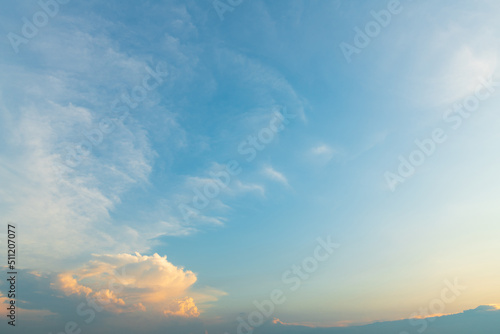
(240,166)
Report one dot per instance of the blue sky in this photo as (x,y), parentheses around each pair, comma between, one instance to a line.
(96,184)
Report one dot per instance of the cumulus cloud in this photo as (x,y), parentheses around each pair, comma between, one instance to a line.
(131,283)
(183,308)
(69,285)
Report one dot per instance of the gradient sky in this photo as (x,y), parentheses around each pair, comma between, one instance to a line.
(120,201)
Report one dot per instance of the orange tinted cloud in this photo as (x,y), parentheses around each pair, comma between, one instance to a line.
(69,285)
(183,307)
(133,283)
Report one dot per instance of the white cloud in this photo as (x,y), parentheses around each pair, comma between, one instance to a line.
(323,152)
(175,228)
(273,174)
(242,187)
(205,197)
(69,209)
(453,48)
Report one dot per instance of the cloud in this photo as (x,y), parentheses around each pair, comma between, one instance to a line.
(273,174)
(203,199)
(459,77)
(451,53)
(175,228)
(183,308)
(69,285)
(263,84)
(232,186)
(65,204)
(69,205)
(322,152)
(483,319)
(131,283)
(242,187)
(322,149)
(276,321)
(51,109)
(29,315)
(484,308)
(46,198)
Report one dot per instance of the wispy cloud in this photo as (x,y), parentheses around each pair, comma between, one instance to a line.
(62,106)
(274,175)
(65,204)
(322,152)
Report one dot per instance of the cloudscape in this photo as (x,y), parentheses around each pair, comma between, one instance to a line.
(249,166)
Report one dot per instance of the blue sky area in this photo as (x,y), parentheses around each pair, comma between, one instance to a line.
(183,163)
